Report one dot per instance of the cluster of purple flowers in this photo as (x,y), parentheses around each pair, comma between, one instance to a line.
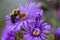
(29,21)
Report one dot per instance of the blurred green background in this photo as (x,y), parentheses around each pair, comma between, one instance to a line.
(7,6)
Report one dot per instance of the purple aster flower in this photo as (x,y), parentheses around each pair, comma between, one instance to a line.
(21,14)
(38,31)
(57,34)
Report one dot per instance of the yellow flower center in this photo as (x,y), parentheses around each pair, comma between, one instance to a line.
(36,32)
(22,16)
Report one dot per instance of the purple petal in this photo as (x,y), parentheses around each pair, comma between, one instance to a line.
(44,23)
(25,33)
(8,19)
(30,7)
(28,37)
(39,38)
(31,22)
(35,38)
(21,7)
(47,29)
(25,26)
(41,12)
(40,23)
(9,36)
(43,36)
(16,27)
(26,7)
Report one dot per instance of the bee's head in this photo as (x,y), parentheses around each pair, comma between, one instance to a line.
(15,12)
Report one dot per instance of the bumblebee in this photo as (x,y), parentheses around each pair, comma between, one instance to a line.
(15,13)
(19,13)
